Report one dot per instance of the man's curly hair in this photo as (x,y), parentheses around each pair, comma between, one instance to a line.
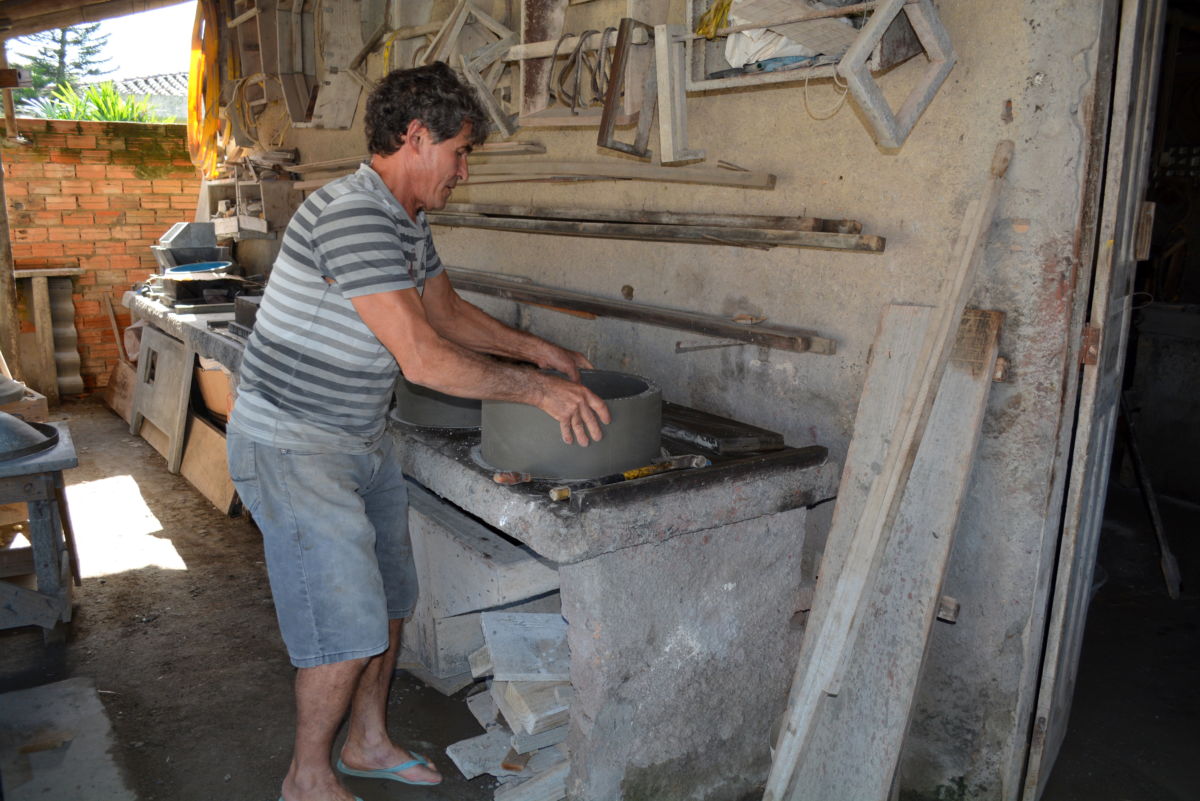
(432,94)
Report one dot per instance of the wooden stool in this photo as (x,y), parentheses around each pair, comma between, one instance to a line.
(37,481)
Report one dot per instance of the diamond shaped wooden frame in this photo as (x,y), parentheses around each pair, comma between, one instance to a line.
(891,129)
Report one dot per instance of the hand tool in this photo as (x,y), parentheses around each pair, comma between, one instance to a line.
(563,492)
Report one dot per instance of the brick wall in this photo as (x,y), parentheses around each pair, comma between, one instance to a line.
(96,195)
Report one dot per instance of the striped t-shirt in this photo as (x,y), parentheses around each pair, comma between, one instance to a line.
(313,375)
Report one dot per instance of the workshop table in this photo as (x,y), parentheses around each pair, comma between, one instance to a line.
(37,480)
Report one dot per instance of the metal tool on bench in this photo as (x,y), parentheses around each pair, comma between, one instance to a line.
(691,460)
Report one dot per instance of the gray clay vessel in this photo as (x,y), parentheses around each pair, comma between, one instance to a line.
(422,406)
(522,438)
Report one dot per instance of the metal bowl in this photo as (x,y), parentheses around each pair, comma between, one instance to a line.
(422,406)
(522,438)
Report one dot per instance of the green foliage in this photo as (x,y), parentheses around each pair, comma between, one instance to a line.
(60,57)
(98,102)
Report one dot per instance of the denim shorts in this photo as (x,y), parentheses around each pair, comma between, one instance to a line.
(335,534)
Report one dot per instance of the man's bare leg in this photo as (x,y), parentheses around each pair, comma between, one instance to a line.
(323,694)
(368,746)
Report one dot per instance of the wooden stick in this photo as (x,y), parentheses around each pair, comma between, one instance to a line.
(742,237)
(772,336)
(783,223)
(638,172)
(112,321)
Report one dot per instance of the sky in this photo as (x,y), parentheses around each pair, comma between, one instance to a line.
(151,43)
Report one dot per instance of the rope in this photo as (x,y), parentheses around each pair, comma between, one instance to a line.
(204,90)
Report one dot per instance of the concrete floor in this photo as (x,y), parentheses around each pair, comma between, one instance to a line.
(182,650)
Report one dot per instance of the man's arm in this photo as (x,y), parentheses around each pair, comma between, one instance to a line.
(466,324)
(398,319)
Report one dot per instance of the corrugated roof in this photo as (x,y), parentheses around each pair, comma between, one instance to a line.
(174,84)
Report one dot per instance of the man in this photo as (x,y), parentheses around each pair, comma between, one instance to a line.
(357,294)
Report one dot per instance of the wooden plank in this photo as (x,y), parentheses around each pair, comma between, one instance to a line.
(484,708)
(481,662)
(771,336)
(857,735)
(541,21)
(205,464)
(749,179)
(672,95)
(888,427)
(549,786)
(715,433)
(23,607)
(16,562)
(784,223)
(47,373)
(535,706)
(524,743)
(755,237)
(527,647)
(482,754)
(118,392)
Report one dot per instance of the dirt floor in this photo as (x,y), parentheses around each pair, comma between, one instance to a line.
(183,647)
(188,662)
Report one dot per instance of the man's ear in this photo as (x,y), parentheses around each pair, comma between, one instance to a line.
(417,134)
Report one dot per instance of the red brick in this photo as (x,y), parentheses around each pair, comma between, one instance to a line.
(95,156)
(123,202)
(30,234)
(47,250)
(45,141)
(60,170)
(65,157)
(168,187)
(110,277)
(90,171)
(138,187)
(12,170)
(45,187)
(110,142)
(63,234)
(84,247)
(79,218)
(157,202)
(109,187)
(109,216)
(87,307)
(110,248)
(120,171)
(123,262)
(141,216)
(81,142)
(15,190)
(95,202)
(87,279)
(181,202)
(76,187)
(47,217)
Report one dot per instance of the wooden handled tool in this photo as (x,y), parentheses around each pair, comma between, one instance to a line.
(562,493)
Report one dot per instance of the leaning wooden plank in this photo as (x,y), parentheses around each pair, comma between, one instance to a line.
(549,786)
(770,336)
(781,222)
(527,647)
(751,179)
(541,20)
(694,234)
(480,755)
(887,431)
(857,735)
(537,706)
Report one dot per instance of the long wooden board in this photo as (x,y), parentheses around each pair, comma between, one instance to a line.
(750,179)
(780,222)
(771,336)
(857,735)
(888,427)
(695,234)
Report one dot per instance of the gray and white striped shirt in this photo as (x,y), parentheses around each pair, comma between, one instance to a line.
(313,376)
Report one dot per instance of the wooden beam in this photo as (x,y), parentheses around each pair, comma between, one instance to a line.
(749,179)
(54,14)
(771,336)
(10,328)
(701,235)
(780,222)
(882,450)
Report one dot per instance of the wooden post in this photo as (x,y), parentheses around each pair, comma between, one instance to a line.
(10,327)
(10,114)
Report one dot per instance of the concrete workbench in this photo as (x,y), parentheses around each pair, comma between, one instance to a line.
(683,607)
(190,329)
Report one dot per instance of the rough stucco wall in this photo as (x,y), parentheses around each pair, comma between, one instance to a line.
(972,727)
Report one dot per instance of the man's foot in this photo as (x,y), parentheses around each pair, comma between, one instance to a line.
(319,784)
(392,763)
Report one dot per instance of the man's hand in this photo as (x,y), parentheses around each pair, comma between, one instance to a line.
(578,410)
(567,362)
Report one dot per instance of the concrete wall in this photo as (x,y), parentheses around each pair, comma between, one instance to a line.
(96,195)
(1025,73)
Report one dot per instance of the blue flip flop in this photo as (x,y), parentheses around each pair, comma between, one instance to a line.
(392,774)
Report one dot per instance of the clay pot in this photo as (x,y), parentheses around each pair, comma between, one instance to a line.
(522,438)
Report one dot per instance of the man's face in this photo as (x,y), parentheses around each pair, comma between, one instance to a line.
(443,165)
